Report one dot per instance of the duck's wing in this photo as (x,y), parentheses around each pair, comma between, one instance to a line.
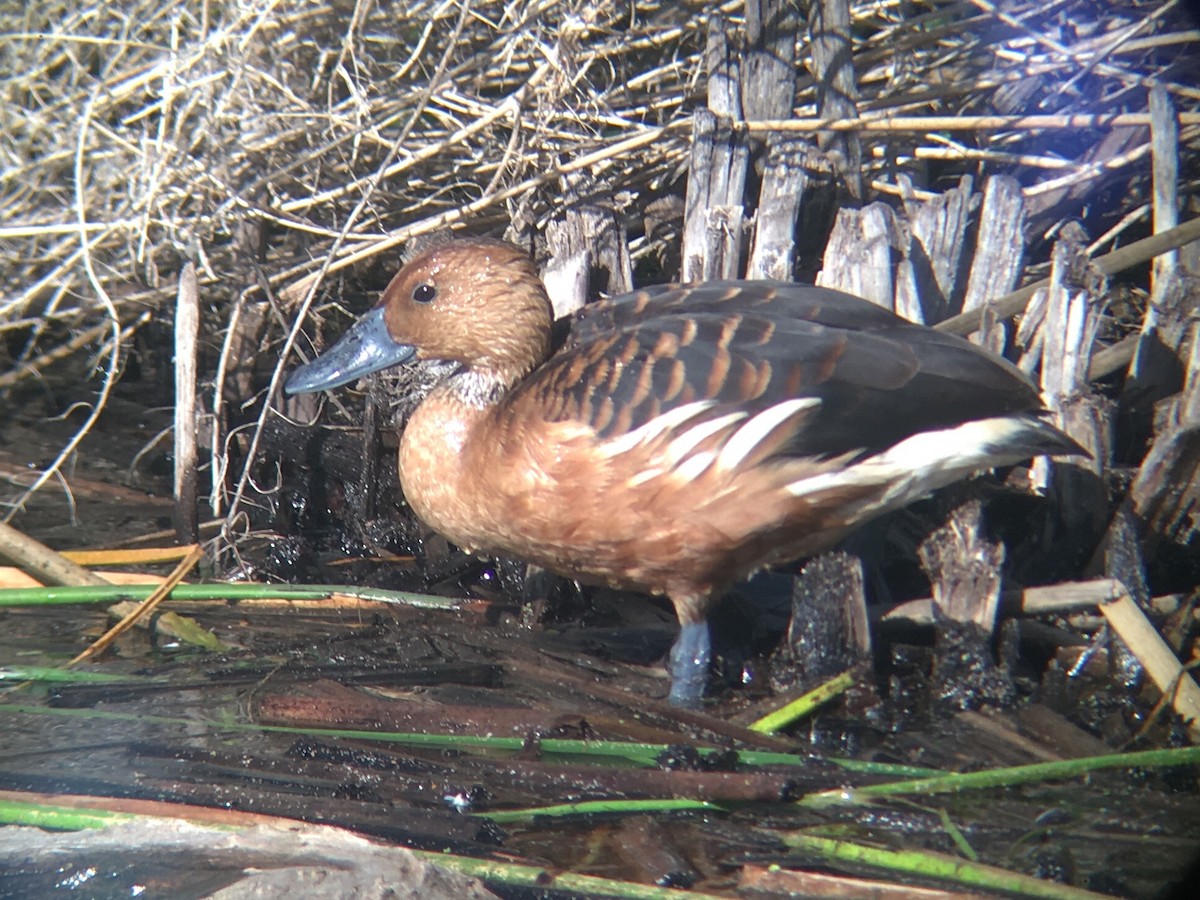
(751,346)
(795,301)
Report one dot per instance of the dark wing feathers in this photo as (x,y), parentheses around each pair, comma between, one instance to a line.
(755,344)
(784,300)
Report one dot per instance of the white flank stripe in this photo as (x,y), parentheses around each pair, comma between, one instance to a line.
(930,460)
(644,476)
(981,444)
(756,430)
(654,428)
(693,467)
(684,444)
(817,483)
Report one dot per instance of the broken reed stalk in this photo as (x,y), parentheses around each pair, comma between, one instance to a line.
(1164,139)
(1065,597)
(1010,776)
(953,870)
(902,124)
(187,334)
(41,562)
(143,609)
(1109,264)
(1159,660)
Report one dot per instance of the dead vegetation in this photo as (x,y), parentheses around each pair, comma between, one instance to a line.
(259,168)
(929,157)
(269,141)
(932,157)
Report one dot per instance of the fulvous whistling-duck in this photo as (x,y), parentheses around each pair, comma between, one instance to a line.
(680,437)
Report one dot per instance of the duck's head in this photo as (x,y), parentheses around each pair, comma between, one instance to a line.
(475,302)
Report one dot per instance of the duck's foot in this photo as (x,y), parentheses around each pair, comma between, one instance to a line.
(688,665)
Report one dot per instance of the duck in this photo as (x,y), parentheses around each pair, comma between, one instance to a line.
(676,439)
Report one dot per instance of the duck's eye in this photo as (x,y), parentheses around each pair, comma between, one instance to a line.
(424,292)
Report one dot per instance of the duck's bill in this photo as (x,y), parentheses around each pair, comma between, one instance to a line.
(365,348)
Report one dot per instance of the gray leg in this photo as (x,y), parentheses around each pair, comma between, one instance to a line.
(688,665)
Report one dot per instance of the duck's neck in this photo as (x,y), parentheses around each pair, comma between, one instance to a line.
(477,389)
(437,460)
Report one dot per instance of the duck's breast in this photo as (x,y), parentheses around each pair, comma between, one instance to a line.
(685,504)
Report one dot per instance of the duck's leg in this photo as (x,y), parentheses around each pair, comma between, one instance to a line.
(688,664)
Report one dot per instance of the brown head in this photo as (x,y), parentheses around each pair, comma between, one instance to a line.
(476,302)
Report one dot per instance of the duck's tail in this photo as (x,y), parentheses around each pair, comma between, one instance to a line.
(924,462)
